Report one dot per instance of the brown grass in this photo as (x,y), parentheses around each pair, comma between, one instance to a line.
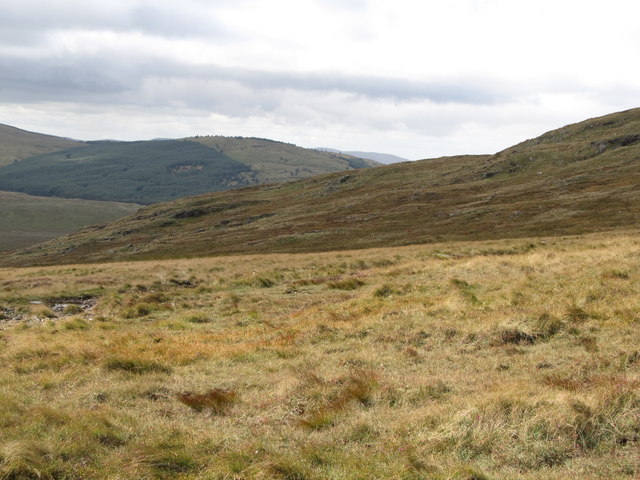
(217,400)
(476,362)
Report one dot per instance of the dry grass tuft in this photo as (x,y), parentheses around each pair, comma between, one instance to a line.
(346,284)
(25,460)
(136,365)
(358,387)
(217,401)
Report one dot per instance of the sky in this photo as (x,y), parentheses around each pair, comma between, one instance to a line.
(414,78)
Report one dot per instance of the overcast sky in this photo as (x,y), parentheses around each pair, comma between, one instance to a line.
(416,78)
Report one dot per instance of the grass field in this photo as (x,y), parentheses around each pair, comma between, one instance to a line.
(25,220)
(511,359)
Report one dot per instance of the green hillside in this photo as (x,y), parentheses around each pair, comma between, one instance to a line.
(135,172)
(17,144)
(25,220)
(160,170)
(580,178)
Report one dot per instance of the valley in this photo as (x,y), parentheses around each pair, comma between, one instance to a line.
(578,179)
(26,220)
(467,318)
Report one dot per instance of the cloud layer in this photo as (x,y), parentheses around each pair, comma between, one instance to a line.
(416,79)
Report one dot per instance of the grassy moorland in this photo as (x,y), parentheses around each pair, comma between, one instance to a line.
(509,359)
(25,220)
(578,179)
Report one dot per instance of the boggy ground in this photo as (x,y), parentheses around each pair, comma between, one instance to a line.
(497,360)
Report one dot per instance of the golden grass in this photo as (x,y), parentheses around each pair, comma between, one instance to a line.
(512,359)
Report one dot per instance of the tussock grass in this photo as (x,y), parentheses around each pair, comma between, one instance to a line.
(137,366)
(538,379)
(346,284)
(25,460)
(217,400)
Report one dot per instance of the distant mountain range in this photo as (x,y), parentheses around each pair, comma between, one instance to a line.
(577,179)
(385,158)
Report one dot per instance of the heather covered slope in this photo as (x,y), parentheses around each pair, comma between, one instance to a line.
(580,178)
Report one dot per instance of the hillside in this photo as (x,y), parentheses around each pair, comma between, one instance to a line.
(17,144)
(25,219)
(580,178)
(273,162)
(135,172)
(160,170)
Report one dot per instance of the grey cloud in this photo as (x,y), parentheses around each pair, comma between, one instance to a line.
(452,91)
(78,77)
(28,22)
(28,81)
(177,22)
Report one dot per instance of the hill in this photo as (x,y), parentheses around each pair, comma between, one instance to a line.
(580,178)
(160,170)
(17,144)
(25,219)
(273,162)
